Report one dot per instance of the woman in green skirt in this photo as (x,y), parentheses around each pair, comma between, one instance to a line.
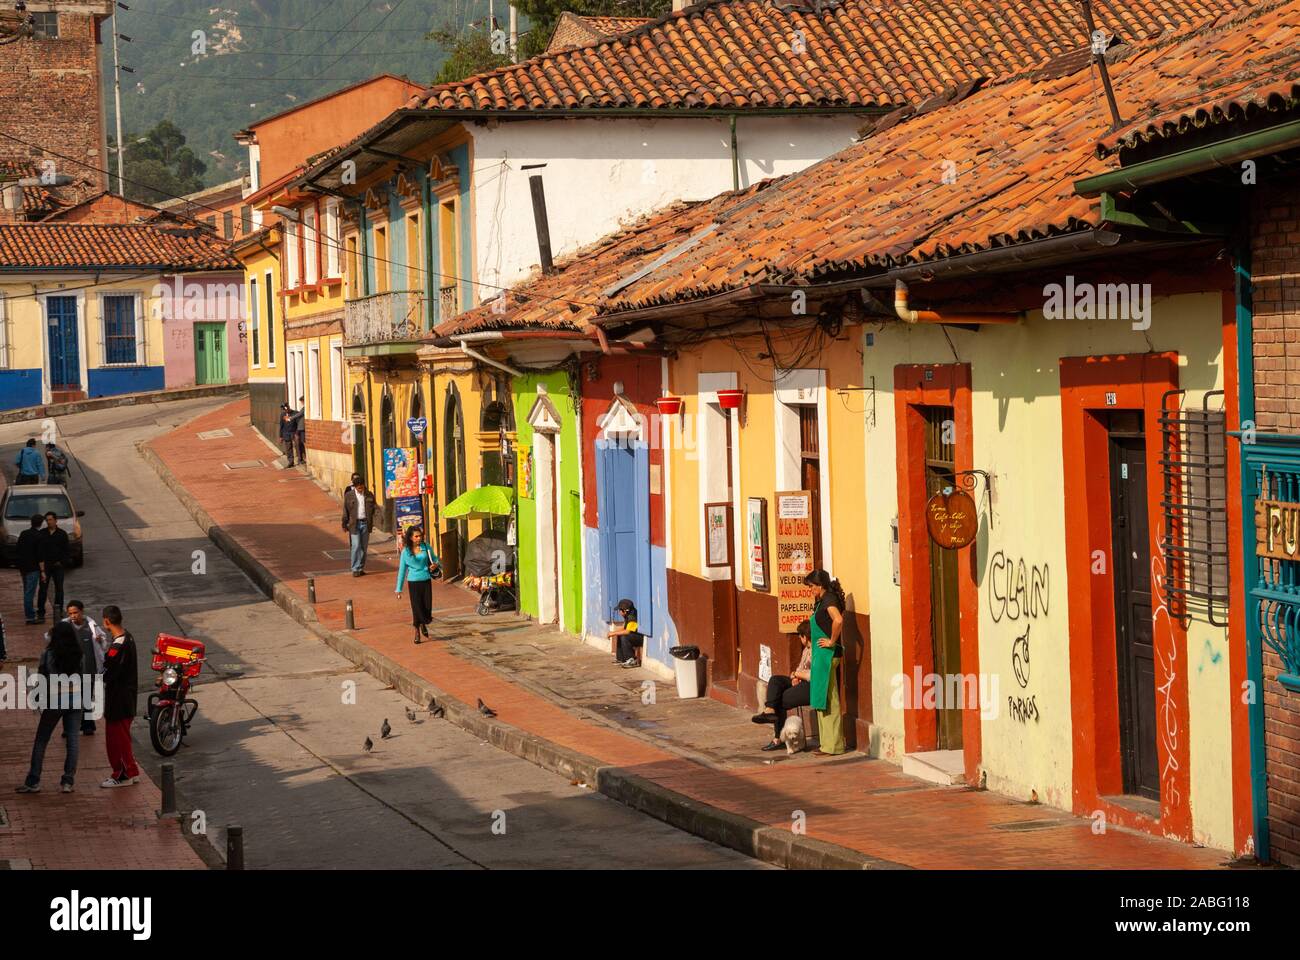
(827,624)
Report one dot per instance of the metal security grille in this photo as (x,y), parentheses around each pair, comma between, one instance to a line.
(1194,539)
(1274,472)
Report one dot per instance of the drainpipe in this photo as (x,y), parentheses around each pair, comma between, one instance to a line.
(363,229)
(907,315)
(471,352)
(431,283)
(1254,641)
(735,157)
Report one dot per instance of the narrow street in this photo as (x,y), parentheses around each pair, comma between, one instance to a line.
(275,748)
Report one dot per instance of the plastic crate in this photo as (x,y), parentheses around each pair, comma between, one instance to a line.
(178,651)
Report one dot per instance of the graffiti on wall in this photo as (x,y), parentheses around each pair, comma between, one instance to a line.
(1022,708)
(1017,591)
(1167,726)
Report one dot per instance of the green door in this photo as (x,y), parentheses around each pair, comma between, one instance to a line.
(209,353)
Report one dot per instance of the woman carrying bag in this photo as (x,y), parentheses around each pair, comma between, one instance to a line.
(826,625)
(416,569)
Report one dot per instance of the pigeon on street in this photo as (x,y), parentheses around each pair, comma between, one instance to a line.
(385,730)
(369,745)
(435,709)
(484,709)
(410,714)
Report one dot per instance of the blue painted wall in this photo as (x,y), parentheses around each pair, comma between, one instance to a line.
(111,381)
(598,600)
(20,388)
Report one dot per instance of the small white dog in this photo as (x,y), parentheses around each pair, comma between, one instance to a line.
(792,734)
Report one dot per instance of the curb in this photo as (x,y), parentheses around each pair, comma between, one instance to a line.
(774,845)
(121,400)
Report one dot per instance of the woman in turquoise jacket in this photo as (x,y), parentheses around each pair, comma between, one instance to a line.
(416,568)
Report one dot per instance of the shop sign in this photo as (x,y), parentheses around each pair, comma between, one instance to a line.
(401,476)
(951,518)
(794,558)
(1277,529)
(407,512)
(717,526)
(756,542)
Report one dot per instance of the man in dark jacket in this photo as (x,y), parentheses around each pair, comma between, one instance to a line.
(300,430)
(120,692)
(358,520)
(288,433)
(54,553)
(29,566)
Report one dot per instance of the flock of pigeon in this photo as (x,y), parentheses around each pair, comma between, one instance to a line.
(435,710)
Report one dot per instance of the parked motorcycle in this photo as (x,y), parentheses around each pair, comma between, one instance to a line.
(171,709)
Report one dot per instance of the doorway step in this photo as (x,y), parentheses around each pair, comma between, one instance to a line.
(947,767)
(67,396)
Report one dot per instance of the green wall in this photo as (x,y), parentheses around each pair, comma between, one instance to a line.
(568,496)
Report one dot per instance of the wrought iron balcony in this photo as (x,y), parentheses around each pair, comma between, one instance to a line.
(448,303)
(390,317)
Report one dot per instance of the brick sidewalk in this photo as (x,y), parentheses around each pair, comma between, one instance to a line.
(292,528)
(92,828)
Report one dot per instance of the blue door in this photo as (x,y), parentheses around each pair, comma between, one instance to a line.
(65,360)
(623,497)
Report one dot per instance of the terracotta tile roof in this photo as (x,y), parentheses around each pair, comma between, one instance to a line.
(611,26)
(95,246)
(568,298)
(37,201)
(574,30)
(741,54)
(1230,87)
(1010,155)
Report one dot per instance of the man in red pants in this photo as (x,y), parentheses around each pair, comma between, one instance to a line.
(120,693)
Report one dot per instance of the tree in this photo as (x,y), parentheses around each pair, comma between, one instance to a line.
(473,50)
(159,166)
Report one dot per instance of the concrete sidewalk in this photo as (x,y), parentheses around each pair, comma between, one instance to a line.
(562,704)
(92,828)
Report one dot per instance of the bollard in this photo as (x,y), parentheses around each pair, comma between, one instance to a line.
(234,847)
(348,620)
(168,791)
(311,589)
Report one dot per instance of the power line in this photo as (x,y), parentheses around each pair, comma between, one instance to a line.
(365,5)
(259,26)
(382,20)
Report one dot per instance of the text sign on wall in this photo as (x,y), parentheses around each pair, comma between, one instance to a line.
(794,558)
(1277,529)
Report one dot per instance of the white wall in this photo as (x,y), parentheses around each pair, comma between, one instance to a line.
(601,174)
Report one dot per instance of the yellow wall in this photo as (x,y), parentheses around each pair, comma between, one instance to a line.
(842,464)
(1016,414)
(257,263)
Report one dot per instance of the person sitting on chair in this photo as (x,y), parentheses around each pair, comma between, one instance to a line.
(787,693)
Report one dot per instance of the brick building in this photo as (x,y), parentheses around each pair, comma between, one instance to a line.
(50,72)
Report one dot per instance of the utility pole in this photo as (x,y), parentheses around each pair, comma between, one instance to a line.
(117,101)
(514,34)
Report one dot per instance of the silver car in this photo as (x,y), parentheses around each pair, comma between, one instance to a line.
(18,504)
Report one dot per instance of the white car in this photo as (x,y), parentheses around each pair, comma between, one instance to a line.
(18,504)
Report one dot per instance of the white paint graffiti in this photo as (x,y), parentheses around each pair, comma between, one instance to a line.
(1166,662)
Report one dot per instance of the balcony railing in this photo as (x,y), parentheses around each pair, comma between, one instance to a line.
(384,318)
(448,305)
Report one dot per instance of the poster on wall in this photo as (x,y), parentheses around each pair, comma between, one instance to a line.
(794,558)
(756,541)
(407,512)
(525,471)
(717,527)
(401,476)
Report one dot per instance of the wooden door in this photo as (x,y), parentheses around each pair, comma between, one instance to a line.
(209,353)
(1135,654)
(65,355)
(945,622)
(810,474)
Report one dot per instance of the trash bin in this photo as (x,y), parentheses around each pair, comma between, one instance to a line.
(688,664)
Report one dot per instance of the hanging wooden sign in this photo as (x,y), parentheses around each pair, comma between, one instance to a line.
(794,558)
(1277,529)
(951,519)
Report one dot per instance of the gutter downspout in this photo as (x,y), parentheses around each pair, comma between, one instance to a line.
(471,352)
(735,157)
(1254,642)
(910,316)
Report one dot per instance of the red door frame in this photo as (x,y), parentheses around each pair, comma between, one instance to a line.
(917,386)
(1136,382)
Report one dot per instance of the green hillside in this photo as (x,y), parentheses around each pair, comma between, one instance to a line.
(255,58)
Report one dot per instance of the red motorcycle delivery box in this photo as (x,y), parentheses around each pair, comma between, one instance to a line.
(179,652)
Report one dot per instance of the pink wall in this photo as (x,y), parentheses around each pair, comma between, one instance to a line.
(210,297)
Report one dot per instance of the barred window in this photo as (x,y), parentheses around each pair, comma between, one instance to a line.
(119,330)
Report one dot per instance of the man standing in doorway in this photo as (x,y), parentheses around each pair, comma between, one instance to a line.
(121,689)
(31,465)
(358,520)
(300,430)
(53,550)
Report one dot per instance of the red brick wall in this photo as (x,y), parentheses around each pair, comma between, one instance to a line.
(1275,265)
(52,97)
(327,435)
